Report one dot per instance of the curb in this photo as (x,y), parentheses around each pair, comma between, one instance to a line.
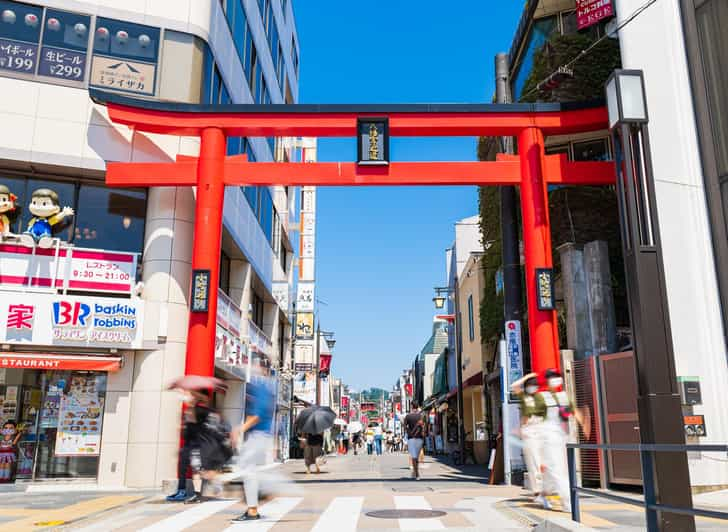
(561,524)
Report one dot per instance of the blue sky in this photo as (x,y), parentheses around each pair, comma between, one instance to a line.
(380,251)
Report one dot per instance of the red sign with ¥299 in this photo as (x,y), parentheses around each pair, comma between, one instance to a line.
(589,12)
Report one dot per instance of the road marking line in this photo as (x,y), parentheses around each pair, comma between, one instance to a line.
(411,502)
(270,514)
(190,517)
(342,514)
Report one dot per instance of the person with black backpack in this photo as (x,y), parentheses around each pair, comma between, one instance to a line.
(206,446)
(414,425)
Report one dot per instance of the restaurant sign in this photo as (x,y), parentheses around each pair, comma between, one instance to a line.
(69,321)
(123,75)
(545,289)
(590,12)
(78,269)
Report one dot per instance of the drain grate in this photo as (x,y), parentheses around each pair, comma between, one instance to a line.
(405,514)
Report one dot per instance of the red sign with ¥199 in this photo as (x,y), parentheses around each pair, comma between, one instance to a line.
(589,12)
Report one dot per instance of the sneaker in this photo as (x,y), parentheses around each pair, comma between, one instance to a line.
(246,517)
(178,496)
(543,501)
(194,499)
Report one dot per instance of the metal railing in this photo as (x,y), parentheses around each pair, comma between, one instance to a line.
(649,501)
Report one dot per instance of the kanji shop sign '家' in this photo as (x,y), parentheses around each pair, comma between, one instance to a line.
(589,12)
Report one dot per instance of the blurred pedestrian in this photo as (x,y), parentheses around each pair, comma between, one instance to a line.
(206,446)
(533,412)
(555,434)
(346,441)
(312,451)
(370,440)
(356,442)
(9,438)
(414,425)
(256,429)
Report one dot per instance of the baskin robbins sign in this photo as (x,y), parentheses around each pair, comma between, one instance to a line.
(53,320)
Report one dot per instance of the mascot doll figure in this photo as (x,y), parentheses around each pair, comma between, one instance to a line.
(8,211)
(48,217)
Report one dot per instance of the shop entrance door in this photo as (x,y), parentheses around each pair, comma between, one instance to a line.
(61,413)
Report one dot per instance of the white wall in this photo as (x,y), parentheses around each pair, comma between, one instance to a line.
(653,42)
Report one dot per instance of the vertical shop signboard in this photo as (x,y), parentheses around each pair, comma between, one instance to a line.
(514,353)
(590,12)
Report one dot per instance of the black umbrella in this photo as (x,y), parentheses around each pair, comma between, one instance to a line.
(315,419)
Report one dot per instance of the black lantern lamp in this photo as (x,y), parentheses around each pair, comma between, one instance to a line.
(658,398)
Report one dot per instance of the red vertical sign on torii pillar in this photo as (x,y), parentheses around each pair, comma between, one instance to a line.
(213,170)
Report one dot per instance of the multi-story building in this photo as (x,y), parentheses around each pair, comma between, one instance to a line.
(93,329)
(677,44)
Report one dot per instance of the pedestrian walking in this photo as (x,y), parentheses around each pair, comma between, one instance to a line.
(356,442)
(414,424)
(254,451)
(555,434)
(370,440)
(533,412)
(206,446)
(378,436)
(312,451)
(346,441)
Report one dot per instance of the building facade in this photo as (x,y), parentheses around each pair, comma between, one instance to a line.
(114,285)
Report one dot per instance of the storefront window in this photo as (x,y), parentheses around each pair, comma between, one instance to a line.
(104,218)
(110,218)
(592,150)
(60,417)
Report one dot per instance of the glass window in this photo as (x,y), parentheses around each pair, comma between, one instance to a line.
(537,37)
(224,95)
(224,281)
(240,26)
(253,70)
(248,53)
(66,30)
(20,22)
(251,194)
(209,76)
(216,85)
(471,319)
(229,6)
(109,218)
(257,311)
(233,145)
(712,17)
(569,23)
(266,213)
(592,150)
(124,39)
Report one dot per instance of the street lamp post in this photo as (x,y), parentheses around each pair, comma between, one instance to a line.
(658,400)
(439,301)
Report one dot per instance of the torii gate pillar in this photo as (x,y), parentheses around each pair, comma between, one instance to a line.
(542,325)
(200,357)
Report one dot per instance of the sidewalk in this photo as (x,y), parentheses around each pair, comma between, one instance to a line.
(34,507)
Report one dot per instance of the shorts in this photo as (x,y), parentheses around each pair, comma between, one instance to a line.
(414,446)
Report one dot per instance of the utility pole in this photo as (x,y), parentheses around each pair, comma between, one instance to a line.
(512,289)
(318,363)
(511,253)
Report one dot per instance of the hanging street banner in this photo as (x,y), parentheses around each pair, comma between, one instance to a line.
(304,326)
(590,12)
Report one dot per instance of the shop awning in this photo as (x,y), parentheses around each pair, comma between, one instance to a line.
(59,362)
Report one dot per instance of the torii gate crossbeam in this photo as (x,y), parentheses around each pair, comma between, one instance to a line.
(213,170)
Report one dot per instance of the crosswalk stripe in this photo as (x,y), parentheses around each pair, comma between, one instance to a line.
(402,502)
(270,514)
(189,517)
(342,515)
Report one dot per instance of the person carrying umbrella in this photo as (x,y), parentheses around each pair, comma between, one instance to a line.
(313,422)
(206,446)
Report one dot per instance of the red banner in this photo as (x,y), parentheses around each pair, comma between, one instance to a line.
(344,402)
(324,363)
(368,407)
(79,362)
(589,12)
(408,389)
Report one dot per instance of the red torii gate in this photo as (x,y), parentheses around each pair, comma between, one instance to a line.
(213,170)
